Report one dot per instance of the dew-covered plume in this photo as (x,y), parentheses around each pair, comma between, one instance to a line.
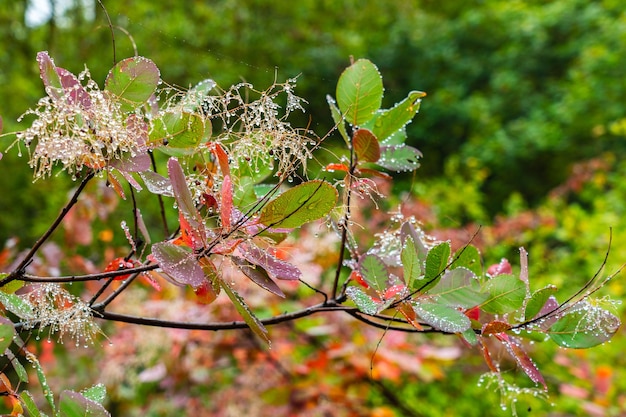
(64,314)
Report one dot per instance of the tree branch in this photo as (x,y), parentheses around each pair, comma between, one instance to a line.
(19,271)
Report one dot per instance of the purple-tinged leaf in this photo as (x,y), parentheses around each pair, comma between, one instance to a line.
(258,275)
(73,404)
(137,128)
(157,184)
(515,349)
(242,308)
(74,92)
(178,263)
(182,193)
(138,163)
(275,267)
(141,225)
(48,73)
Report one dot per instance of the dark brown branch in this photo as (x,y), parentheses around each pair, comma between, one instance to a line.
(146,321)
(89,277)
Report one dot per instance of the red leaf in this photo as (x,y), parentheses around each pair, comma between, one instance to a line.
(473,313)
(504,267)
(227,204)
(188,237)
(495,327)
(492,366)
(356,276)
(375,173)
(514,347)
(119,264)
(394,290)
(336,167)
(222,157)
(148,279)
(366,146)
(408,312)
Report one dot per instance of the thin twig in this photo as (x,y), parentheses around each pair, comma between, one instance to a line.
(19,271)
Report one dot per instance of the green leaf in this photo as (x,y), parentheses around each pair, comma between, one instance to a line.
(28,401)
(7,331)
(537,301)
(458,287)
(299,205)
(388,122)
(442,317)
(411,264)
(436,263)
(41,376)
(584,327)
(74,404)
(468,257)
(470,336)
(399,158)
(16,305)
(244,311)
(182,130)
(338,119)
(133,81)
(366,146)
(506,294)
(359,92)
(17,366)
(364,302)
(193,99)
(374,272)
(96,393)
